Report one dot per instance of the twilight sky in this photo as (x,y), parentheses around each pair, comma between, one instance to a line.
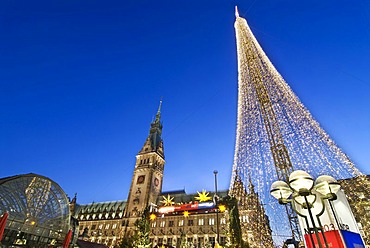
(80,82)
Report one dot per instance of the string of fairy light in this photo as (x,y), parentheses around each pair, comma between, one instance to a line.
(310,148)
(37,195)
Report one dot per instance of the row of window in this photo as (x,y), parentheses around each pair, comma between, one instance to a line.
(190,222)
(101,216)
(101,226)
(146,161)
(189,240)
(107,241)
(171,223)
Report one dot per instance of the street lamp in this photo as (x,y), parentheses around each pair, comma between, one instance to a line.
(216,203)
(301,189)
(328,187)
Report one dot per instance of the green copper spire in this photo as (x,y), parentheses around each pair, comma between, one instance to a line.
(154,142)
(158,115)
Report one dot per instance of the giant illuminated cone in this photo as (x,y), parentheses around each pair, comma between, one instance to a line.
(276,133)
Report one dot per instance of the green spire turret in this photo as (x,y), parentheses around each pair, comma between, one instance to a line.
(154,141)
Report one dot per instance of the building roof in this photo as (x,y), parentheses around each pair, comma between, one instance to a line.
(154,142)
(101,210)
(173,192)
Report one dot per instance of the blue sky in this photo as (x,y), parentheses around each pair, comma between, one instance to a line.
(80,82)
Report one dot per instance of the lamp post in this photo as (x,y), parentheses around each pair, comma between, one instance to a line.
(301,189)
(216,203)
(328,187)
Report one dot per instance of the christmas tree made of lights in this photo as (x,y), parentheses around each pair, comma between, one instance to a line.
(276,134)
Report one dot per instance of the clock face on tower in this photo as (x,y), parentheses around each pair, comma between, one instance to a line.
(140,179)
(156,182)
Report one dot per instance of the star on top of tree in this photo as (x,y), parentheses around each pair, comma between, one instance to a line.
(168,201)
(203,196)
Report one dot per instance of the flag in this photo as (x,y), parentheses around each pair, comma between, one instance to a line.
(2,224)
(67,239)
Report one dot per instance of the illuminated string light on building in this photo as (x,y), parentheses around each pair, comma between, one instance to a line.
(37,194)
(167,201)
(276,133)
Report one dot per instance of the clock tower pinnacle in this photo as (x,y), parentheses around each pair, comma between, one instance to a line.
(146,182)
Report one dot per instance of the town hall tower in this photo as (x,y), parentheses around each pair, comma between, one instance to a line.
(147,179)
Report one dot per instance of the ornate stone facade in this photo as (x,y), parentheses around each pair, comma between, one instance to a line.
(147,180)
(194,222)
(358,195)
(191,224)
(254,220)
(101,222)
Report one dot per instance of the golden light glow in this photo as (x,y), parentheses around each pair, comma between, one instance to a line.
(203,196)
(217,245)
(222,208)
(186,213)
(152,217)
(168,201)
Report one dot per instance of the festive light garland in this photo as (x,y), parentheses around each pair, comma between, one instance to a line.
(203,196)
(310,148)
